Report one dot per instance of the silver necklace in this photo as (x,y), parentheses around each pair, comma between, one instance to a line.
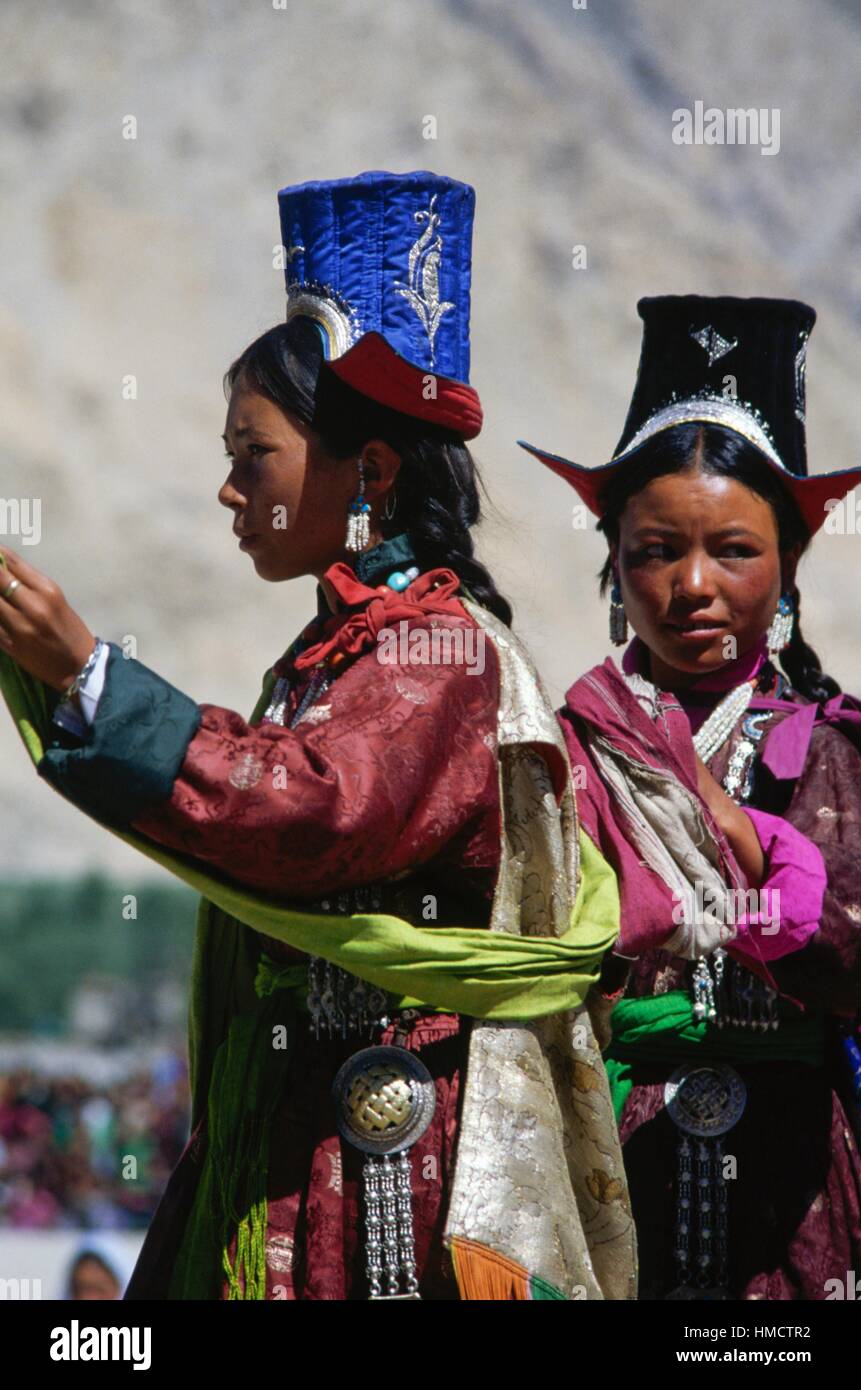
(715,731)
(276,711)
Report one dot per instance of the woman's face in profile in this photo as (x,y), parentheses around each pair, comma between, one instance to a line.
(700,571)
(289,503)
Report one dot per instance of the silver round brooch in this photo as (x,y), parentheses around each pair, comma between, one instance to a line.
(705,1101)
(384,1099)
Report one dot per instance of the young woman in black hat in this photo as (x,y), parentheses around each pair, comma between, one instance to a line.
(726,792)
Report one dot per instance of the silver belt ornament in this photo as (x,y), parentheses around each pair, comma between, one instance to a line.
(729,995)
(384,1101)
(340,1004)
(704,1103)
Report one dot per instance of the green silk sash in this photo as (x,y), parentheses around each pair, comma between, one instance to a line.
(660,1030)
(469,970)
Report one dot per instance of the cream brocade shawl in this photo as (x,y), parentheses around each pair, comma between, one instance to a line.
(539,1176)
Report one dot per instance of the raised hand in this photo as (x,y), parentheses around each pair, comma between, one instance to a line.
(37,625)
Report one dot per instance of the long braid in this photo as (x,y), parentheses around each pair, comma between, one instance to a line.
(438,504)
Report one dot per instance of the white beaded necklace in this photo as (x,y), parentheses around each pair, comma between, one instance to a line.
(714,732)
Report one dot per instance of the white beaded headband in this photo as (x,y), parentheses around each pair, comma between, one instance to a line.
(709,409)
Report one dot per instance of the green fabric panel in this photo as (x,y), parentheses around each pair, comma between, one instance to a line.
(661,1029)
(270,976)
(226,956)
(543,1292)
(135,749)
(469,970)
(375,565)
(265,697)
(198,1269)
(31,702)
(621,1083)
(248,1080)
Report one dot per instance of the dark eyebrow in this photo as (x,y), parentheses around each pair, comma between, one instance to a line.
(665,530)
(655,529)
(738,531)
(245,429)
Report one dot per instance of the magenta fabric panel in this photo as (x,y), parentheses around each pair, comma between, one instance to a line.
(795,870)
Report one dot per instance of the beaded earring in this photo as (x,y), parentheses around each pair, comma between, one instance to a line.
(618,619)
(780,633)
(358,517)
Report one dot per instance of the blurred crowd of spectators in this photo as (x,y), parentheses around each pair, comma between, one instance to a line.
(80,1155)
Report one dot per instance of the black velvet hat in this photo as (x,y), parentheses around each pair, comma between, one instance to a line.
(739,363)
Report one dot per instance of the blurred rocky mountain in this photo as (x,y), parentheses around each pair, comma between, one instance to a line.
(152,257)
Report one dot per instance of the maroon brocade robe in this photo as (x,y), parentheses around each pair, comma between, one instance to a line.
(389,779)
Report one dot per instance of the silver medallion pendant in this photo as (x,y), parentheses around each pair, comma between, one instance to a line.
(384,1101)
(704,1103)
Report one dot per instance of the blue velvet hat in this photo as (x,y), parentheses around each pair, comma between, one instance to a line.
(381,263)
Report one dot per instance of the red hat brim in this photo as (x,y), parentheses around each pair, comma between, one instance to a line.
(372,367)
(811,493)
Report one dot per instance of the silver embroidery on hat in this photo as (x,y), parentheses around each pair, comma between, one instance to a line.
(740,416)
(800,378)
(336,316)
(713,342)
(422,289)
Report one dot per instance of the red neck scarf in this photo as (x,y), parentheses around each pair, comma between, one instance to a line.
(363,612)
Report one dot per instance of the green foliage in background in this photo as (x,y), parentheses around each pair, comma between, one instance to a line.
(54,933)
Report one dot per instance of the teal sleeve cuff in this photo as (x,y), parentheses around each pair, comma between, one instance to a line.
(135,748)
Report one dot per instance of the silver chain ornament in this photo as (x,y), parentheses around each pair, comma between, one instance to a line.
(385,1099)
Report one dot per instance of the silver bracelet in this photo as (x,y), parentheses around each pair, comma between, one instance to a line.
(81,677)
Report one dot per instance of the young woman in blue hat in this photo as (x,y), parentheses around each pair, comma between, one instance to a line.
(389,1099)
(725,792)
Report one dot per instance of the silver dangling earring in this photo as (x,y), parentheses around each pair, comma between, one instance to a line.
(388,515)
(780,633)
(358,517)
(618,617)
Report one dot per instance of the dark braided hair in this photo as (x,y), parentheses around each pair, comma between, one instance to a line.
(720,451)
(437,492)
